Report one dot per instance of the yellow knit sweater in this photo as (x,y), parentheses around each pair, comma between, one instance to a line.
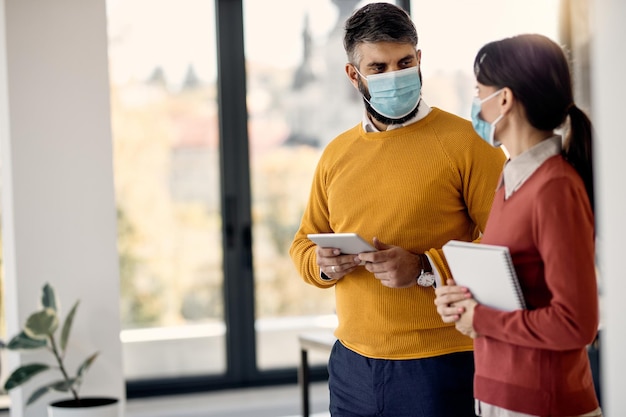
(416,187)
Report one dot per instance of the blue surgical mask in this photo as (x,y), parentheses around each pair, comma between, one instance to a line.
(394,94)
(484,129)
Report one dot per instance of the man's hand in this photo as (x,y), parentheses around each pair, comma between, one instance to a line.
(394,266)
(335,265)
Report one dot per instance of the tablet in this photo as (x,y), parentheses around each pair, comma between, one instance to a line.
(348,243)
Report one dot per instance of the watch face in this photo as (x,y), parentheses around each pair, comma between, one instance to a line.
(426,279)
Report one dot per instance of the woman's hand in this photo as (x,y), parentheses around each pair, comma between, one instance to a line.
(465,323)
(446,298)
(456,305)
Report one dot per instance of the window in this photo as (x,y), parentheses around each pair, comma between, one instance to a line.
(165,132)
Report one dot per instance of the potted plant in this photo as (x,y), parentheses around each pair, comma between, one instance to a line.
(41,332)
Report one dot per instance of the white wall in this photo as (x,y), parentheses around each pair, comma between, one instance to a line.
(58,211)
(608,93)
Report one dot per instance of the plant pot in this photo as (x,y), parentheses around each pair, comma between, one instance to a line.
(85,407)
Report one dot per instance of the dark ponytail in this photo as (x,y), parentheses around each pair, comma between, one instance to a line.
(578,148)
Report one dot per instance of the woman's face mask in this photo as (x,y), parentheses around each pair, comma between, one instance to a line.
(484,129)
(394,94)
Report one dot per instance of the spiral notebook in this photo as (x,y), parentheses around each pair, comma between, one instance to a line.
(487,270)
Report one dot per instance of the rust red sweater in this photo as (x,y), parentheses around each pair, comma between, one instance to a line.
(535,361)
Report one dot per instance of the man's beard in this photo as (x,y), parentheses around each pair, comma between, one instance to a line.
(379,117)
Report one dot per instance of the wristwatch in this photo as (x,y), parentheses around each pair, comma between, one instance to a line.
(426,278)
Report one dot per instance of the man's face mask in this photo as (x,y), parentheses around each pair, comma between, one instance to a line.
(394,94)
(485,130)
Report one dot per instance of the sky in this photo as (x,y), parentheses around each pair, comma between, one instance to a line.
(452,31)
(175,33)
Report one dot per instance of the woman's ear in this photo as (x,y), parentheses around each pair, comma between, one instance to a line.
(507,99)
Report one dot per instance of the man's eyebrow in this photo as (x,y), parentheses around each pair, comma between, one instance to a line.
(404,58)
(407,57)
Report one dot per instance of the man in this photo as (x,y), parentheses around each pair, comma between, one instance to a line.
(409,178)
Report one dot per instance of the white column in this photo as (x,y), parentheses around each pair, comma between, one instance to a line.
(608,65)
(58,209)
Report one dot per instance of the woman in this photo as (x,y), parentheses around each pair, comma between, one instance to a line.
(534,362)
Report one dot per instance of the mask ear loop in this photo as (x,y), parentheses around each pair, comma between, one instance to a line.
(358,72)
(357,89)
(492,134)
(489,97)
(495,122)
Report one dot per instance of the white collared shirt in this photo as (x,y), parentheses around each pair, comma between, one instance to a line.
(422,111)
(517,171)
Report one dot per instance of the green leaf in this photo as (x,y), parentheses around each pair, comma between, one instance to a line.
(39,392)
(48,299)
(67,325)
(85,365)
(59,385)
(62,385)
(42,324)
(23,374)
(23,341)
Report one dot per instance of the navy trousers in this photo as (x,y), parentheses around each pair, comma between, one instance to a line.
(432,387)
